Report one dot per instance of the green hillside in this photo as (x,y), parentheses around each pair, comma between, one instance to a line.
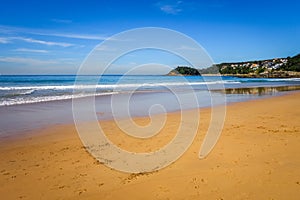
(184,71)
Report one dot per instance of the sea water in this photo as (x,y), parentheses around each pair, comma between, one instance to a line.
(35,101)
(33,89)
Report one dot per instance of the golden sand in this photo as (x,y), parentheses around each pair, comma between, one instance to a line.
(257,157)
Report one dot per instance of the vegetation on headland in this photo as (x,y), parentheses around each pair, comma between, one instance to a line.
(184,71)
(293,64)
(273,68)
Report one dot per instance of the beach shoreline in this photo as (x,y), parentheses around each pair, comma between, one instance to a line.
(29,117)
(255,158)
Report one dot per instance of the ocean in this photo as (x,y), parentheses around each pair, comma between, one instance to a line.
(16,90)
(35,101)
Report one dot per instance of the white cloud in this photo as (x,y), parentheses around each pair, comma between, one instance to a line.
(31,50)
(76,36)
(4,40)
(170,7)
(48,43)
(27,61)
(63,21)
(70,61)
(9,29)
(104,48)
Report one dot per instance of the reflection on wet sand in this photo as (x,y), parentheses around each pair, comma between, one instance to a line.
(260,90)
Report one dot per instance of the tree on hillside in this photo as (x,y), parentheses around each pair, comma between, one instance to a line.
(187,70)
(293,64)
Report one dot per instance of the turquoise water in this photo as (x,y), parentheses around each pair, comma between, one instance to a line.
(16,90)
(31,102)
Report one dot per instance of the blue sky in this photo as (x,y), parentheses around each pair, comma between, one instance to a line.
(54,37)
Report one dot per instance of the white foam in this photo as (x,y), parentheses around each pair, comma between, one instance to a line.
(26,92)
(282,79)
(22,100)
(113,86)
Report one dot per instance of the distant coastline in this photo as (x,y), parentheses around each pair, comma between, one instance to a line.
(275,74)
(272,68)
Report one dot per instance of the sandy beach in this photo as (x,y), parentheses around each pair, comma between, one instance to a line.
(257,157)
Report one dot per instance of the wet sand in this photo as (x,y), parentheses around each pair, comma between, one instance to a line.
(257,157)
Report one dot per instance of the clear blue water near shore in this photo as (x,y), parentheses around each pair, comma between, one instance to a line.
(30,102)
(32,89)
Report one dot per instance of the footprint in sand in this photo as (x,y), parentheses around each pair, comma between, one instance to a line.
(100,184)
(7,173)
(61,187)
(196,182)
(134,177)
(80,192)
(164,189)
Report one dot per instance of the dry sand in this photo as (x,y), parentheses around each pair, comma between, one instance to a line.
(257,157)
